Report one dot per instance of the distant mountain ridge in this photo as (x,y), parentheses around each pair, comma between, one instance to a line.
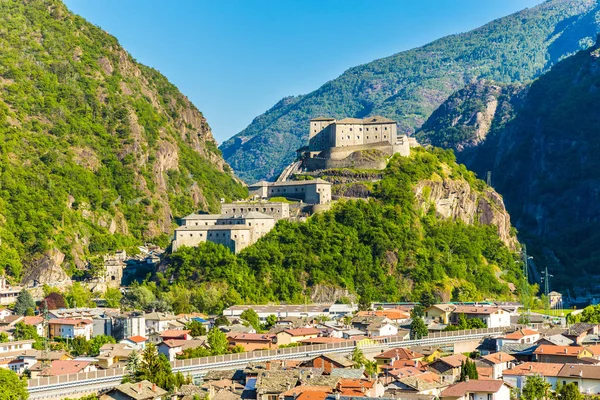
(410,85)
(97,151)
(542,152)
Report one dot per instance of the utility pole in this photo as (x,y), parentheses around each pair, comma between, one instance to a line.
(546,280)
(525,297)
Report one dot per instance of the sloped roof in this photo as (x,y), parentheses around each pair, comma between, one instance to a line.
(400,353)
(549,349)
(534,368)
(302,331)
(471,386)
(137,339)
(454,360)
(580,370)
(520,334)
(498,358)
(140,390)
(69,321)
(64,367)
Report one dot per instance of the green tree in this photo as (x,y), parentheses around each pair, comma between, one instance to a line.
(358,357)
(79,346)
(25,332)
(222,320)
(217,341)
(24,303)
(418,329)
(79,296)
(112,297)
(156,368)
(271,321)
(570,391)
(468,369)
(196,328)
(251,317)
(13,388)
(138,297)
(97,342)
(134,362)
(535,388)
(3,337)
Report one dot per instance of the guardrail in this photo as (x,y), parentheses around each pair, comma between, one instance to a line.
(83,378)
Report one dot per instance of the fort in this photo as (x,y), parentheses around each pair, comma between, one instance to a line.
(352,143)
(314,191)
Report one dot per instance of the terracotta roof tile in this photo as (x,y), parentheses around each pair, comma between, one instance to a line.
(534,368)
(482,386)
(498,358)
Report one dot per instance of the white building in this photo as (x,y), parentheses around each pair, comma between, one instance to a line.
(492,316)
(69,328)
(477,390)
(520,336)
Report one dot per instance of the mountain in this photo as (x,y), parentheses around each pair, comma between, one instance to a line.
(96,150)
(410,85)
(429,231)
(541,149)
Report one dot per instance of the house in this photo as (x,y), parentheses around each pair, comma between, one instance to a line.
(519,336)
(517,375)
(175,334)
(290,336)
(577,332)
(363,323)
(448,368)
(61,367)
(440,312)
(389,356)
(492,316)
(137,342)
(69,328)
(352,334)
(36,321)
(171,348)
(498,362)
(382,329)
(558,354)
(17,345)
(157,322)
(430,353)
(360,388)
(477,390)
(416,386)
(556,340)
(143,390)
(305,392)
(327,362)
(252,341)
(114,353)
(586,377)
(271,384)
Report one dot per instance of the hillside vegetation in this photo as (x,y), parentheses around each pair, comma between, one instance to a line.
(96,150)
(387,248)
(410,85)
(542,152)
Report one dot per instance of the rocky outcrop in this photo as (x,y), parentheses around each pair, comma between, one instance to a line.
(457,200)
(46,270)
(325,294)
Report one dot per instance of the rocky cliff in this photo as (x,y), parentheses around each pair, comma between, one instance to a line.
(543,160)
(98,151)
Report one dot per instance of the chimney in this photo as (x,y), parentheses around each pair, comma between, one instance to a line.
(467,378)
(140,387)
(500,356)
(416,364)
(580,373)
(530,367)
(566,351)
(154,387)
(268,365)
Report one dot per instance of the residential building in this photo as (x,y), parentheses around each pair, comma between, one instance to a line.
(396,316)
(360,388)
(448,368)
(492,316)
(519,336)
(558,354)
(136,342)
(17,345)
(328,362)
(252,341)
(282,311)
(477,390)
(382,329)
(61,367)
(8,293)
(69,328)
(498,362)
(171,348)
(128,324)
(389,356)
(440,312)
(586,377)
(36,321)
(178,334)
(143,390)
(517,375)
(157,322)
(112,354)
(290,336)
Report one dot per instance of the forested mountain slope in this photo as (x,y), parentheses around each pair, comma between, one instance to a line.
(96,150)
(410,85)
(431,231)
(542,150)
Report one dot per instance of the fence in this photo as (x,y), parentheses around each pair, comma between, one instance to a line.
(263,355)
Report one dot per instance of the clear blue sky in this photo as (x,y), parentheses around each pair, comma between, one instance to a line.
(236,58)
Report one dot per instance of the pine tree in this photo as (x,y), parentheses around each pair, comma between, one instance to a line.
(24,303)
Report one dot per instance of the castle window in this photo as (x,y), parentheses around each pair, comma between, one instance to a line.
(367,129)
(358,137)
(196,224)
(385,128)
(375,128)
(191,234)
(367,138)
(350,129)
(384,136)
(360,129)
(348,136)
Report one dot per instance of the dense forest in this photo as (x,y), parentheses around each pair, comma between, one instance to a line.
(382,249)
(97,151)
(410,85)
(541,151)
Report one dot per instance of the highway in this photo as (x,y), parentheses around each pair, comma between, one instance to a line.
(79,384)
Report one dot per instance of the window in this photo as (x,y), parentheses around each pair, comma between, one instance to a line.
(490,396)
(360,129)
(367,129)
(358,137)
(384,136)
(348,137)
(350,129)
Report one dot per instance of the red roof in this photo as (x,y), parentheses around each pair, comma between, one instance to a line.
(498,358)
(521,333)
(534,368)
(174,333)
(65,367)
(549,349)
(137,339)
(69,321)
(400,353)
(473,386)
(33,320)
(302,331)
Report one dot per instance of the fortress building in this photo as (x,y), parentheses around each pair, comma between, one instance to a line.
(353,143)
(277,210)
(314,191)
(232,231)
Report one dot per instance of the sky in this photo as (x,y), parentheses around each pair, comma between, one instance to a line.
(235,59)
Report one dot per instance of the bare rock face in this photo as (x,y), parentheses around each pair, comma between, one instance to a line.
(322,294)
(46,269)
(456,200)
